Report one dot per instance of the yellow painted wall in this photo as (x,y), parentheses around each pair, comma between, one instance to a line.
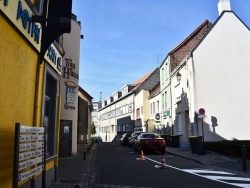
(18,68)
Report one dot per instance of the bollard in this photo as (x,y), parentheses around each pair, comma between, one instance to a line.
(244,162)
(84,155)
(87,149)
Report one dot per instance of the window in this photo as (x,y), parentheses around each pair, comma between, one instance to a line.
(157,107)
(166,100)
(162,75)
(38,5)
(49,119)
(163,101)
(137,113)
(179,123)
(153,107)
(166,71)
(178,93)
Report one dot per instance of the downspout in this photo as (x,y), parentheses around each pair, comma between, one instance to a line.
(58,134)
(37,104)
(172,127)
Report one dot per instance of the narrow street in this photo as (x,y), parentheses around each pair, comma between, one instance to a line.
(118,166)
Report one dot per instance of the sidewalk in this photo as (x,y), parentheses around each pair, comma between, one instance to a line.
(75,172)
(213,160)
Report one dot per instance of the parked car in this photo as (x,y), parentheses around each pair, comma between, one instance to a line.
(149,142)
(124,138)
(133,136)
(96,139)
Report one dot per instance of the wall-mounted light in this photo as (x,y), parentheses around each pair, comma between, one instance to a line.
(178,77)
(82,36)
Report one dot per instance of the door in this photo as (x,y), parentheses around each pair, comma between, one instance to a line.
(65,142)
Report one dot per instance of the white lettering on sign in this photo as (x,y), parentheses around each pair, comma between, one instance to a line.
(25,129)
(30,162)
(34,145)
(30,154)
(29,138)
(30,173)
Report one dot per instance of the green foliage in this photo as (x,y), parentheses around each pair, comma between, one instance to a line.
(93,129)
(229,147)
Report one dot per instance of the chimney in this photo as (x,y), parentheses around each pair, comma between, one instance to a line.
(224,5)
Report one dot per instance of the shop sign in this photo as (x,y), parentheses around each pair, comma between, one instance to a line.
(166,113)
(157,116)
(68,70)
(22,19)
(70,95)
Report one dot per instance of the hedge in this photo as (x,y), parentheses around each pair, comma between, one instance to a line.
(229,147)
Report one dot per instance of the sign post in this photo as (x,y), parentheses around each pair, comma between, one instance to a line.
(29,153)
(202,115)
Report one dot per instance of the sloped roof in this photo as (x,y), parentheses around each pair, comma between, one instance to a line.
(187,45)
(88,96)
(206,22)
(155,91)
(141,80)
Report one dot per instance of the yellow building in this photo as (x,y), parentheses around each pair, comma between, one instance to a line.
(29,89)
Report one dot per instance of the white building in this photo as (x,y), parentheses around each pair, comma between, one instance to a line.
(128,109)
(155,111)
(174,118)
(214,77)
(69,89)
(95,117)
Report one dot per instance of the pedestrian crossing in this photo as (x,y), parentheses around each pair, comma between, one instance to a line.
(221,176)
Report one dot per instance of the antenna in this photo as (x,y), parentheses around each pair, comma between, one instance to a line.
(100,96)
(157,56)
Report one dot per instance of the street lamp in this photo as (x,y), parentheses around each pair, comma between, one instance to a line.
(178,77)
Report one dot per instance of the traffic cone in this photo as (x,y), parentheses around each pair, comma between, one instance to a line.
(163,164)
(142,158)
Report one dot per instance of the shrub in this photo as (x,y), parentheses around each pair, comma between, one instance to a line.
(229,147)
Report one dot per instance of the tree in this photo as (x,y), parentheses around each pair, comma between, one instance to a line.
(93,129)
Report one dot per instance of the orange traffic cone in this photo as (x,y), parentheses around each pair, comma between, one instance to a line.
(163,164)
(142,158)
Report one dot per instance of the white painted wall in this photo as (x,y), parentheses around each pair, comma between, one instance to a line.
(221,80)
(107,123)
(71,44)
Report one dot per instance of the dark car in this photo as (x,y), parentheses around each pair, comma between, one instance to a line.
(149,142)
(96,139)
(133,136)
(124,138)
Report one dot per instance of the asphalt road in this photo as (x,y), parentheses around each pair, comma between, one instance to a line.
(117,166)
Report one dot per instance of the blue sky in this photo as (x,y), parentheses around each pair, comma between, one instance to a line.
(126,39)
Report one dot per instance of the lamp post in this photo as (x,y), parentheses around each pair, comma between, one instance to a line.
(178,77)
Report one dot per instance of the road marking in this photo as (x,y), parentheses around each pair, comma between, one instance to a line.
(221,179)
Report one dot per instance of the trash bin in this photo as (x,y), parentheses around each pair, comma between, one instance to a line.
(192,144)
(174,141)
(196,145)
(199,146)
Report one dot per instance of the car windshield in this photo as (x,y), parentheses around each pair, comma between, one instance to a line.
(149,136)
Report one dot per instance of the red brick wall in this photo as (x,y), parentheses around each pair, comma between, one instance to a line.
(178,54)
